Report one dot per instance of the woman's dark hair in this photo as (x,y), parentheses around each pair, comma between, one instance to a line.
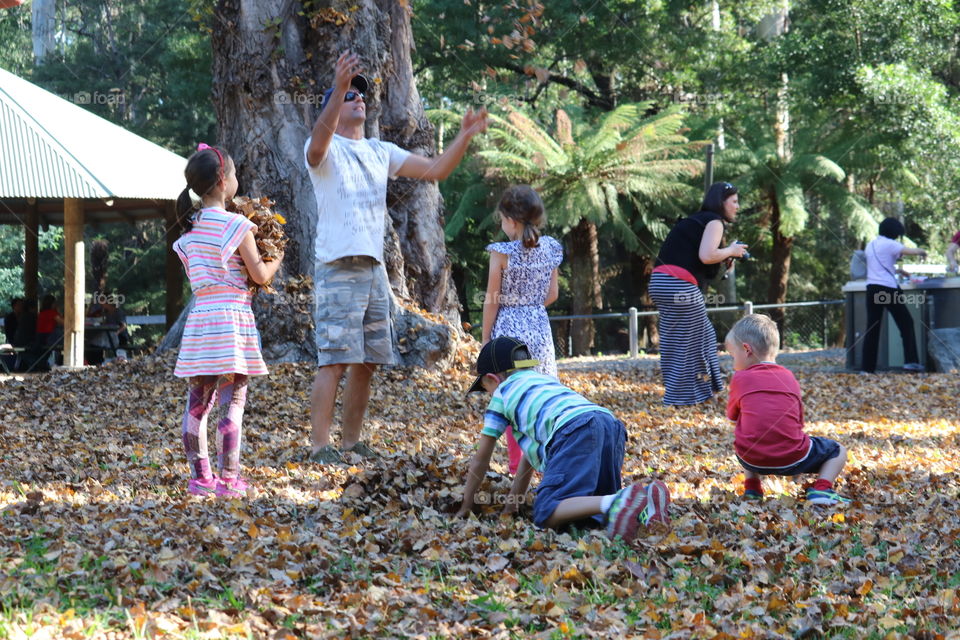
(48,301)
(521,203)
(204,169)
(891,228)
(717,194)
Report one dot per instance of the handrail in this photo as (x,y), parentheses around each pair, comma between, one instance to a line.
(633,314)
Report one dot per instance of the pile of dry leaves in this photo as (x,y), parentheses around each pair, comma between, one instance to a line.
(98,538)
(271,240)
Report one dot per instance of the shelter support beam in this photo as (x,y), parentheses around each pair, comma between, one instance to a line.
(74,282)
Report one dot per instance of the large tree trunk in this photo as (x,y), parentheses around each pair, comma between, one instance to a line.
(585,283)
(43,20)
(779,269)
(271,66)
(641,268)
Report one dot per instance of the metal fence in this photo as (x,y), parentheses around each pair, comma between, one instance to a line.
(816,324)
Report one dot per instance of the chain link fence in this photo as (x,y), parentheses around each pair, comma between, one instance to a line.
(803,325)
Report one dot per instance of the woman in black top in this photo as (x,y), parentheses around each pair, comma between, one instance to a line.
(689,258)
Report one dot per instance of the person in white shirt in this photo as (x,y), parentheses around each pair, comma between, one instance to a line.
(349,174)
(884,293)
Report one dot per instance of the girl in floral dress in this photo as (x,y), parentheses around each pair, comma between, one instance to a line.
(522,281)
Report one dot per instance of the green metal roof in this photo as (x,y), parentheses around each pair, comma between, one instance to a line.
(51,148)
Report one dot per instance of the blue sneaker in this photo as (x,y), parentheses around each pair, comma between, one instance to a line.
(751,494)
(828,497)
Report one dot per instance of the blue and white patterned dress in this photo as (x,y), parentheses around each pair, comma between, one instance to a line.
(523,289)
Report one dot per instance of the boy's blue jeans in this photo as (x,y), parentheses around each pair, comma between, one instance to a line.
(584,458)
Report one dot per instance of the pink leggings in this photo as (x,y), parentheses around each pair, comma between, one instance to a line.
(204,392)
(516,453)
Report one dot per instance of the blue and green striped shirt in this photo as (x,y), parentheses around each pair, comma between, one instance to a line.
(536,407)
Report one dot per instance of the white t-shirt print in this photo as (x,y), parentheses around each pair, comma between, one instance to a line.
(350,185)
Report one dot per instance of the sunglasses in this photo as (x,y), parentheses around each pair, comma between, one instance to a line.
(350,96)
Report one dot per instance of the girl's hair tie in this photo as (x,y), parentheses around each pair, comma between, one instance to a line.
(204,146)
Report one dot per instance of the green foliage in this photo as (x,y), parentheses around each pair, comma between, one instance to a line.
(143,65)
(589,172)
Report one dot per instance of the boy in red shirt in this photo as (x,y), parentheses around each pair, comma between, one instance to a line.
(765,400)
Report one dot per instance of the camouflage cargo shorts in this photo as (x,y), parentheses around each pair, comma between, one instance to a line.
(353,312)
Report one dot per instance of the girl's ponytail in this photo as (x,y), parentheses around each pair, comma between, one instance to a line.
(531,235)
(185,210)
(205,169)
(523,204)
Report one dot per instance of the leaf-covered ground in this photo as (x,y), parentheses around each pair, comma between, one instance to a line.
(99,539)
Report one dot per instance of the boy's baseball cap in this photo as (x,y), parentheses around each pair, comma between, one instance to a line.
(500,355)
(359,82)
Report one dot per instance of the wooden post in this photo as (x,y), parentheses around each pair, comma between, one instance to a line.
(74,282)
(31,252)
(174,270)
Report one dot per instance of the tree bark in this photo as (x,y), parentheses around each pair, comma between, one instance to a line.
(43,20)
(270,68)
(779,268)
(585,283)
(641,268)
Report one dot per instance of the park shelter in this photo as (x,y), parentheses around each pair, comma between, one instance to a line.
(63,165)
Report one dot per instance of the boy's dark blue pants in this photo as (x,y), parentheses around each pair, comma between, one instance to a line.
(584,458)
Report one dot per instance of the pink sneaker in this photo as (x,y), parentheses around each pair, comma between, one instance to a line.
(203,486)
(232,487)
(658,505)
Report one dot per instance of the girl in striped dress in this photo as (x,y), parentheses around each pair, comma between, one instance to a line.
(521,282)
(220,348)
(690,256)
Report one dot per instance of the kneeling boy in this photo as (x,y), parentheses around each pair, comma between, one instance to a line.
(765,400)
(577,445)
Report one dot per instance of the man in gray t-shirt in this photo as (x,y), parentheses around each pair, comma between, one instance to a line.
(349,174)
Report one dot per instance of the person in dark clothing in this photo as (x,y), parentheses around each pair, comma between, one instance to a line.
(26,335)
(884,294)
(689,258)
(11,319)
(10,323)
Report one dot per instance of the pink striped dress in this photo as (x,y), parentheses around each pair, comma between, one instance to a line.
(220,336)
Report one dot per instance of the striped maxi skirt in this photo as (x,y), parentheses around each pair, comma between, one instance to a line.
(688,342)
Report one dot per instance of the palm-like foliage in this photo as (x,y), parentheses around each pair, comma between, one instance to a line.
(590,174)
(786,186)
(586,176)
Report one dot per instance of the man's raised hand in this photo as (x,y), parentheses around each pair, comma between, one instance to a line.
(348,65)
(474,122)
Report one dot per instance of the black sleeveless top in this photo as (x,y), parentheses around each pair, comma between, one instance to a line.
(682,246)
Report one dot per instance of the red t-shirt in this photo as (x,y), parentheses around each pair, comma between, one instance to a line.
(47,321)
(956,238)
(766,402)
